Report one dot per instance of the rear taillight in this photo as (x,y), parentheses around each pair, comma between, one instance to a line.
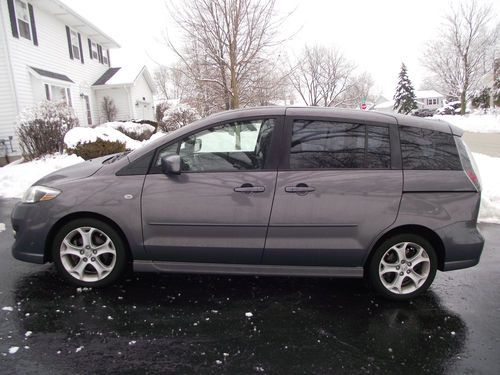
(468,163)
(473,177)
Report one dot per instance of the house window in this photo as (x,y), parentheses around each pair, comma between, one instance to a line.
(75,45)
(95,55)
(104,59)
(432,101)
(23,19)
(58,94)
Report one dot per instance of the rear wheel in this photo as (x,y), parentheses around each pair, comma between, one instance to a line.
(403,267)
(89,252)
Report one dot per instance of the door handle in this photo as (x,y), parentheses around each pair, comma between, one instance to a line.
(249,188)
(299,189)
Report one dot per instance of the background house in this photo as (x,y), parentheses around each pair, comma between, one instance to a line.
(131,89)
(429,99)
(49,52)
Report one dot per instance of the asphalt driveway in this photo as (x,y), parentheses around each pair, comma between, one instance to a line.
(237,325)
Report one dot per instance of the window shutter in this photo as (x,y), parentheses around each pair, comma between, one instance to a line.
(99,52)
(13,20)
(90,49)
(68,34)
(68,93)
(109,61)
(80,45)
(47,92)
(33,26)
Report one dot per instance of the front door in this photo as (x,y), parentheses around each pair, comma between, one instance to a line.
(217,210)
(336,190)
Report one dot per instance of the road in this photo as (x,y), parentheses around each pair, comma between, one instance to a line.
(178,324)
(484,143)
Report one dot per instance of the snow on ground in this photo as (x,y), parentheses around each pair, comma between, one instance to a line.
(15,179)
(474,123)
(489,168)
(84,134)
(129,126)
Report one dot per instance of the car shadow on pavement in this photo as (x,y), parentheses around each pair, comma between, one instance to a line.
(200,323)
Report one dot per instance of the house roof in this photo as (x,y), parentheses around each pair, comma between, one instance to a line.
(423,94)
(48,74)
(106,76)
(124,76)
(67,15)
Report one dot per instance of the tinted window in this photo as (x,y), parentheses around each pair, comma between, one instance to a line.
(378,149)
(235,146)
(428,149)
(325,144)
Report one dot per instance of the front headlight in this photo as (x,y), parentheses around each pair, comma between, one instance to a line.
(40,193)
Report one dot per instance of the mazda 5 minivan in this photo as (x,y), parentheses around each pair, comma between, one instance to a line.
(266,191)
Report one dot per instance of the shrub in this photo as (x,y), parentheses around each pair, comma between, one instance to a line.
(177,117)
(142,136)
(100,147)
(109,108)
(41,128)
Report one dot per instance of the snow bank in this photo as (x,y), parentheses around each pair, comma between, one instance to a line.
(490,179)
(83,134)
(474,123)
(15,179)
(128,126)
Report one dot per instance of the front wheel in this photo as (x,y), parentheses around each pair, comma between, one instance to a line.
(403,267)
(89,252)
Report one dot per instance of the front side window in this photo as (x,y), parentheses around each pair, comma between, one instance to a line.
(243,145)
(23,19)
(336,145)
(425,149)
(75,46)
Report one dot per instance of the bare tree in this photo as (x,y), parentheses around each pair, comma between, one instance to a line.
(109,108)
(321,76)
(161,78)
(170,81)
(231,40)
(358,91)
(457,57)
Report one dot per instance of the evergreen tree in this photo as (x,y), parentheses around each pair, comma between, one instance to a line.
(404,98)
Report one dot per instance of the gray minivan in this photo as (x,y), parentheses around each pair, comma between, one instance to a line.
(266,191)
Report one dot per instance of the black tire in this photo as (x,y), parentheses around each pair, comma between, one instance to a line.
(373,267)
(120,263)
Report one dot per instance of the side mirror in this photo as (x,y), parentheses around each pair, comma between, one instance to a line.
(171,164)
(197,145)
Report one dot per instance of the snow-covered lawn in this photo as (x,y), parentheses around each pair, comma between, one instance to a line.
(474,123)
(489,168)
(15,178)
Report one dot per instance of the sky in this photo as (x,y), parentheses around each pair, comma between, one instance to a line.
(376,35)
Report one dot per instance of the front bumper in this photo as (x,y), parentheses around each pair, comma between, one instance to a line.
(463,245)
(31,227)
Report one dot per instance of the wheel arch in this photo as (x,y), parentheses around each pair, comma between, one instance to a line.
(83,215)
(420,230)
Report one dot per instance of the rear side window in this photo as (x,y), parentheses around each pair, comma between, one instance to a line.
(336,145)
(425,149)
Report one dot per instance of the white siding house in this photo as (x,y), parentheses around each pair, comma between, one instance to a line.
(48,51)
(131,90)
(429,99)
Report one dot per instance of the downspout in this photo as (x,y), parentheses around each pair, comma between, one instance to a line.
(130,104)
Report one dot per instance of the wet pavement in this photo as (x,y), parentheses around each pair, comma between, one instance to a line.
(182,324)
